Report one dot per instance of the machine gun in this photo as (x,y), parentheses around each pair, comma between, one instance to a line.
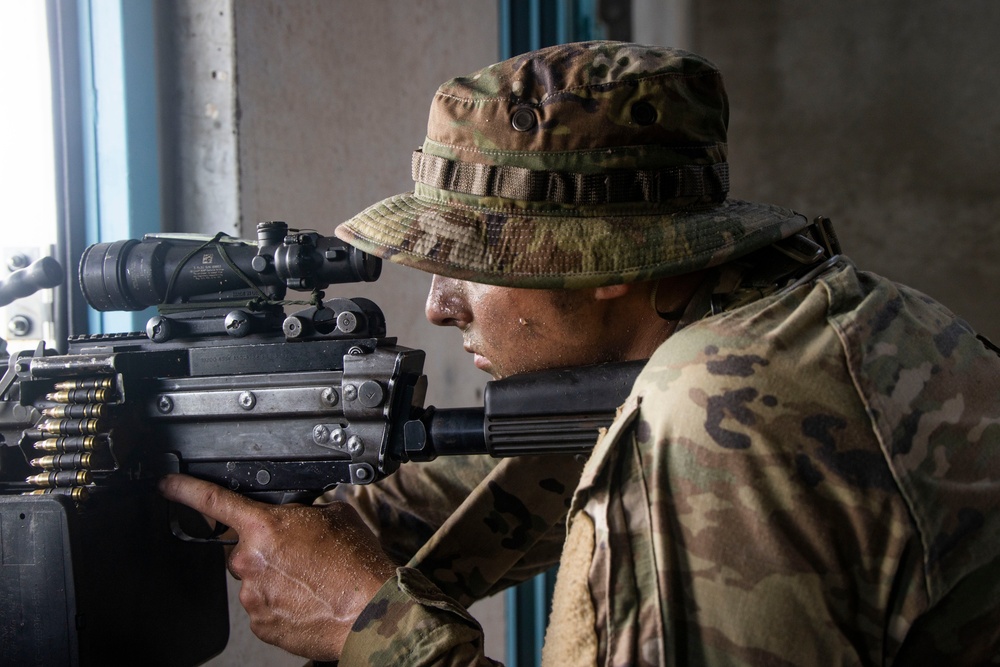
(222,385)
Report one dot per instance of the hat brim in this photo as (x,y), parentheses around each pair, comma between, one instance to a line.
(519,248)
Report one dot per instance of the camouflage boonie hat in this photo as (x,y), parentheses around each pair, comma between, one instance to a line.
(577,165)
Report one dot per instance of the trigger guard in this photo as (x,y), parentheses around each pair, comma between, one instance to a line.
(212,538)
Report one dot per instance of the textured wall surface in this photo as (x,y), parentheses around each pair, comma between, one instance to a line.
(879,115)
(198,116)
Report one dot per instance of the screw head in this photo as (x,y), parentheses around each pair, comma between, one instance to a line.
(19,326)
(159,329)
(237,324)
(321,434)
(247,400)
(164,404)
(329,396)
(292,327)
(18,261)
(347,322)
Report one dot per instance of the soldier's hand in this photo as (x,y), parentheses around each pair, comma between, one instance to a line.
(306,572)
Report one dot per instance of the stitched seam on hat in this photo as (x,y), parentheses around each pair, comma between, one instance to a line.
(417,206)
(597,151)
(561,91)
(573,212)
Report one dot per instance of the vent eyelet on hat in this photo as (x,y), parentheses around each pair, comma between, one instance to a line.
(523,119)
(643,113)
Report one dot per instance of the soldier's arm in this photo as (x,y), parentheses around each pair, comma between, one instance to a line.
(409,623)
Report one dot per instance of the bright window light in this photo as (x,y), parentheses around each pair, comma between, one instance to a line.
(27,180)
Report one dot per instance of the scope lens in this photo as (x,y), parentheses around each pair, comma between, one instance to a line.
(367,267)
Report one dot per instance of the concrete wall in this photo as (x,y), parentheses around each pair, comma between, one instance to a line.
(197,72)
(879,115)
(332,99)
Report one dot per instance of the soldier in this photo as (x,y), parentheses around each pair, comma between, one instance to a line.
(806,471)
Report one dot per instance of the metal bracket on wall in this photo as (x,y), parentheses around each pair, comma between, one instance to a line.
(30,319)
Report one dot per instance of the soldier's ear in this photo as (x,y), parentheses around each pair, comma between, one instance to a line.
(611,292)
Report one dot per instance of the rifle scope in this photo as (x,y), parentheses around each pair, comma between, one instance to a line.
(131,274)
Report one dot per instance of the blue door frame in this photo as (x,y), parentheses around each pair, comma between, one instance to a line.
(108,134)
(526,25)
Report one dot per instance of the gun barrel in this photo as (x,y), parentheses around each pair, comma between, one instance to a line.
(549,412)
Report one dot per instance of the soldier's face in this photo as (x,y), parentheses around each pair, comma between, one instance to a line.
(512,330)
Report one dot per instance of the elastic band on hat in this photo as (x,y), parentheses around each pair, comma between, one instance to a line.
(624,186)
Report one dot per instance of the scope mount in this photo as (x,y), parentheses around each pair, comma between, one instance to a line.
(339,318)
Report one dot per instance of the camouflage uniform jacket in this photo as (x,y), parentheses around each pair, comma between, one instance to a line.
(813,478)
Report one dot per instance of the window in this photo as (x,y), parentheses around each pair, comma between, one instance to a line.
(27,171)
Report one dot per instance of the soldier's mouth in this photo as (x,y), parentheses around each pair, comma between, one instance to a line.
(481,362)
